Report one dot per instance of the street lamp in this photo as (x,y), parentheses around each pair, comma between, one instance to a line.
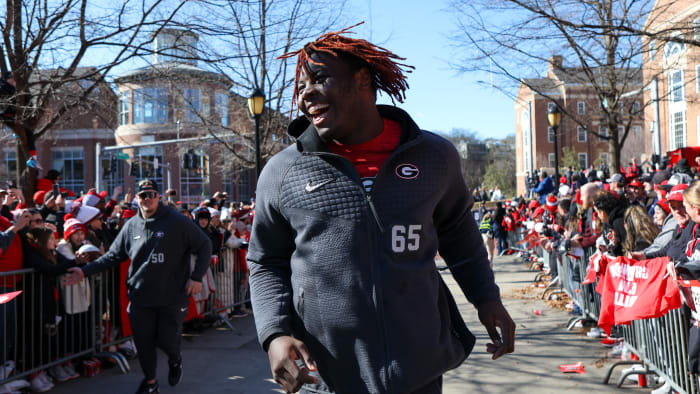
(256,104)
(554,119)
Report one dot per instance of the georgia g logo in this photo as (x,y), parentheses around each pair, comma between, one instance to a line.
(407,171)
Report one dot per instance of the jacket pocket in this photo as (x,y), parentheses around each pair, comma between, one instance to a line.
(300,303)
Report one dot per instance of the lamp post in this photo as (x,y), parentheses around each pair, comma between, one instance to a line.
(256,103)
(554,119)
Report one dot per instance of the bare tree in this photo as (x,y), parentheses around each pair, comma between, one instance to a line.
(604,39)
(45,48)
(243,43)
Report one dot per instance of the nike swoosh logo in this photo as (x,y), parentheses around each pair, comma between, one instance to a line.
(310,188)
(183,309)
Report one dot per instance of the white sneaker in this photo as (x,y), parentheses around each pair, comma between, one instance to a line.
(40,385)
(70,371)
(595,332)
(634,377)
(45,377)
(665,389)
(14,386)
(57,372)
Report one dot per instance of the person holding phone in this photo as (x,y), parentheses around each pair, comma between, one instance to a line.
(159,242)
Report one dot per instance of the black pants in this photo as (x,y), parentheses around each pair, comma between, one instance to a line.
(156,327)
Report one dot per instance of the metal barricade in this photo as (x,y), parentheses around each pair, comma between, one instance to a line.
(661,346)
(45,325)
(49,324)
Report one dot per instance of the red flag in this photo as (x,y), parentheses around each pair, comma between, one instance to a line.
(596,267)
(532,239)
(7,297)
(633,290)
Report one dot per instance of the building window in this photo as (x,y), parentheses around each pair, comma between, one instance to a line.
(637,130)
(620,131)
(194,182)
(124,108)
(677,128)
(550,135)
(151,105)
(192,103)
(652,49)
(145,160)
(551,159)
(602,133)
(70,163)
(696,29)
(605,158)
(110,180)
(9,170)
(581,108)
(244,184)
(581,134)
(221,107)
(636,108)
(675,86)
(673,48)
(583,160)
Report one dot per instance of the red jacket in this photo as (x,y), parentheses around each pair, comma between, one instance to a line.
(10,259)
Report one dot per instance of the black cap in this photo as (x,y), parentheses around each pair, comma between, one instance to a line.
(147,184)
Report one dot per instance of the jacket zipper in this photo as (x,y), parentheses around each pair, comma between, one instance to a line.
(376,271)
(300,303)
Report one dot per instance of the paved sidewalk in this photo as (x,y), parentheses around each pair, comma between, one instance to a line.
(542,344)
(220,361)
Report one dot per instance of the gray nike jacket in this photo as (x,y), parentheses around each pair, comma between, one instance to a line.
(352,274)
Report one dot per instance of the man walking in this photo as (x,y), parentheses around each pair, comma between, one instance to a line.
(159,241)
(347,225)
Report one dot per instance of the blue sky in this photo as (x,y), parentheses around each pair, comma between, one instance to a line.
(439,98)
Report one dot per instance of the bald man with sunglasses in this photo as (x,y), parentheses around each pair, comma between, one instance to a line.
(159,241)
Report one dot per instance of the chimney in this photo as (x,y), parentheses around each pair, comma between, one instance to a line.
(555,62)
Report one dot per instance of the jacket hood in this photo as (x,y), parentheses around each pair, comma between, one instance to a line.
(308,139)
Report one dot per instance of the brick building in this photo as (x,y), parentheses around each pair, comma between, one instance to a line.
(168,100)
(534,139)
(671,73)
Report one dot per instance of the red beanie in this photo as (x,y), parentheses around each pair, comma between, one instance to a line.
(551,203)
(71,226)
(128,213)
(39,197)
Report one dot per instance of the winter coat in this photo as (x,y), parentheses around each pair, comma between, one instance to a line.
(352,274)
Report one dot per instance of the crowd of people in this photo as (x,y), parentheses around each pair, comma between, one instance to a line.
(640,215)
(57,231)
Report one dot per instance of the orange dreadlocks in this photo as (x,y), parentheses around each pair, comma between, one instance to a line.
(387,74)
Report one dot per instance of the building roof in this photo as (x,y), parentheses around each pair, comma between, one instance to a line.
(543,85)
(172,70)
(578,76)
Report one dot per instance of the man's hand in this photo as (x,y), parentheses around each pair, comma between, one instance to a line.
(283,353)
(193,287)
(117,192)
(494,315)
(73,277)
(60,201)
(22,221)
(638,255)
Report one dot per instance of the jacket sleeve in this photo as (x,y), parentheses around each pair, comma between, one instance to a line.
(663,238)
(201,246)
(269,253)
(116,254)
(460,242)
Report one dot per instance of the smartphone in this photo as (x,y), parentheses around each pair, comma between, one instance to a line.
(56,190)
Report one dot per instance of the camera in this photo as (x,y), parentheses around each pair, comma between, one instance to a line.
(567,245)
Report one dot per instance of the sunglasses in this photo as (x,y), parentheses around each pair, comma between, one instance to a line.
(147,194)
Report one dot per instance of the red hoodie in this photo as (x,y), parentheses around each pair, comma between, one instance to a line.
(10,259)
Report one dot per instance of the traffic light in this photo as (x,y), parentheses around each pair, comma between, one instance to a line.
(195,161)
(113,163)
(134,171)
(187,161)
